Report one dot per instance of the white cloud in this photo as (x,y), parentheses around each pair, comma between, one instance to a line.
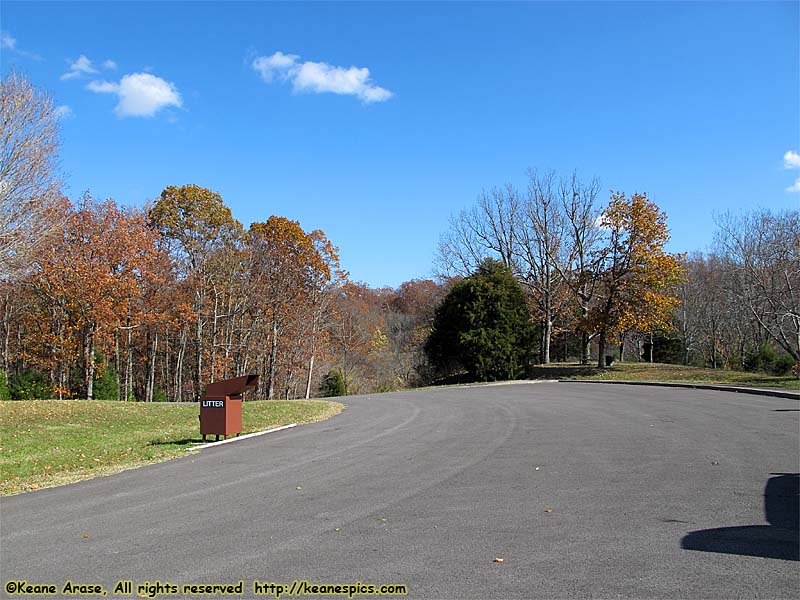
(6,41)
(791,160)
(102,87)
(320,77)
(278,62)
(600,223)
(79,67)
(140,94)
(64,112)
(109,64)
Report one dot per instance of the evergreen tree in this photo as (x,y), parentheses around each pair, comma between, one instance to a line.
(5,393)
(483,326)
(106,386)
(332,385)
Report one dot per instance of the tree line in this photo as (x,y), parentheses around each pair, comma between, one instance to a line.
(99,300)
(740,304)
(153,303)
(598,275)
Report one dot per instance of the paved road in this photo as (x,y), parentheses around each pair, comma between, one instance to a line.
(655,493)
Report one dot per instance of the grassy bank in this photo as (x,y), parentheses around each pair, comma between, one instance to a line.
(662,372)
(49,442)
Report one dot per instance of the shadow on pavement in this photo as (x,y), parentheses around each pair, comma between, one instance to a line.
(779,539)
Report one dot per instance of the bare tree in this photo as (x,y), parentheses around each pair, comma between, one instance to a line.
(29,179)
(763,251)
(577,261)
(547,238)
(486,230)
(540,241)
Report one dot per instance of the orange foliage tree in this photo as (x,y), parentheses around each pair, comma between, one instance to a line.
(196,223)
(89,283)
(290,270)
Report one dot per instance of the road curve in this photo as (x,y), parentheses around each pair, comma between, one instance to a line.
(583,491)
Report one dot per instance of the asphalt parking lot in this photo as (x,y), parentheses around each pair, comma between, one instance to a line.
(583,491)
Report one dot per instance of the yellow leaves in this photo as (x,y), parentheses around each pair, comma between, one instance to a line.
(379,339)
(638,278)
(194,216)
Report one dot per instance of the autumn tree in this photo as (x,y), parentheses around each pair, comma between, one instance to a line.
(29,179)
(195,222)
(323,282)
(355,332)
(409,319)
(290,269)
(636,278)
(89,285)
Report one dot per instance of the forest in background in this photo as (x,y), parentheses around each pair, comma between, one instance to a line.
(103,301)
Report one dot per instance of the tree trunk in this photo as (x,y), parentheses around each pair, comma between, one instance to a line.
(116,362)
(548,330)
(214,325)
(273,360)
(198,343)
(179,367)
(310,372)
(601,349)
(62,371)
(6,331)
(129,366)
(585,338)
(89,365)
(151,371)
(714,350)
(651,347)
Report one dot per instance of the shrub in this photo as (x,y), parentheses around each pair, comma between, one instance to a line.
(105,385)
(666,349)
(767,360)
(5,393)
(784,365)
(29,385)
(332,384)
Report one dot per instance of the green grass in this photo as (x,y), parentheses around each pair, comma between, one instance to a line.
(50,442)
(636,371)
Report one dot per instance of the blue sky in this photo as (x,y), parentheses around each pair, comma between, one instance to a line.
(697,104)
